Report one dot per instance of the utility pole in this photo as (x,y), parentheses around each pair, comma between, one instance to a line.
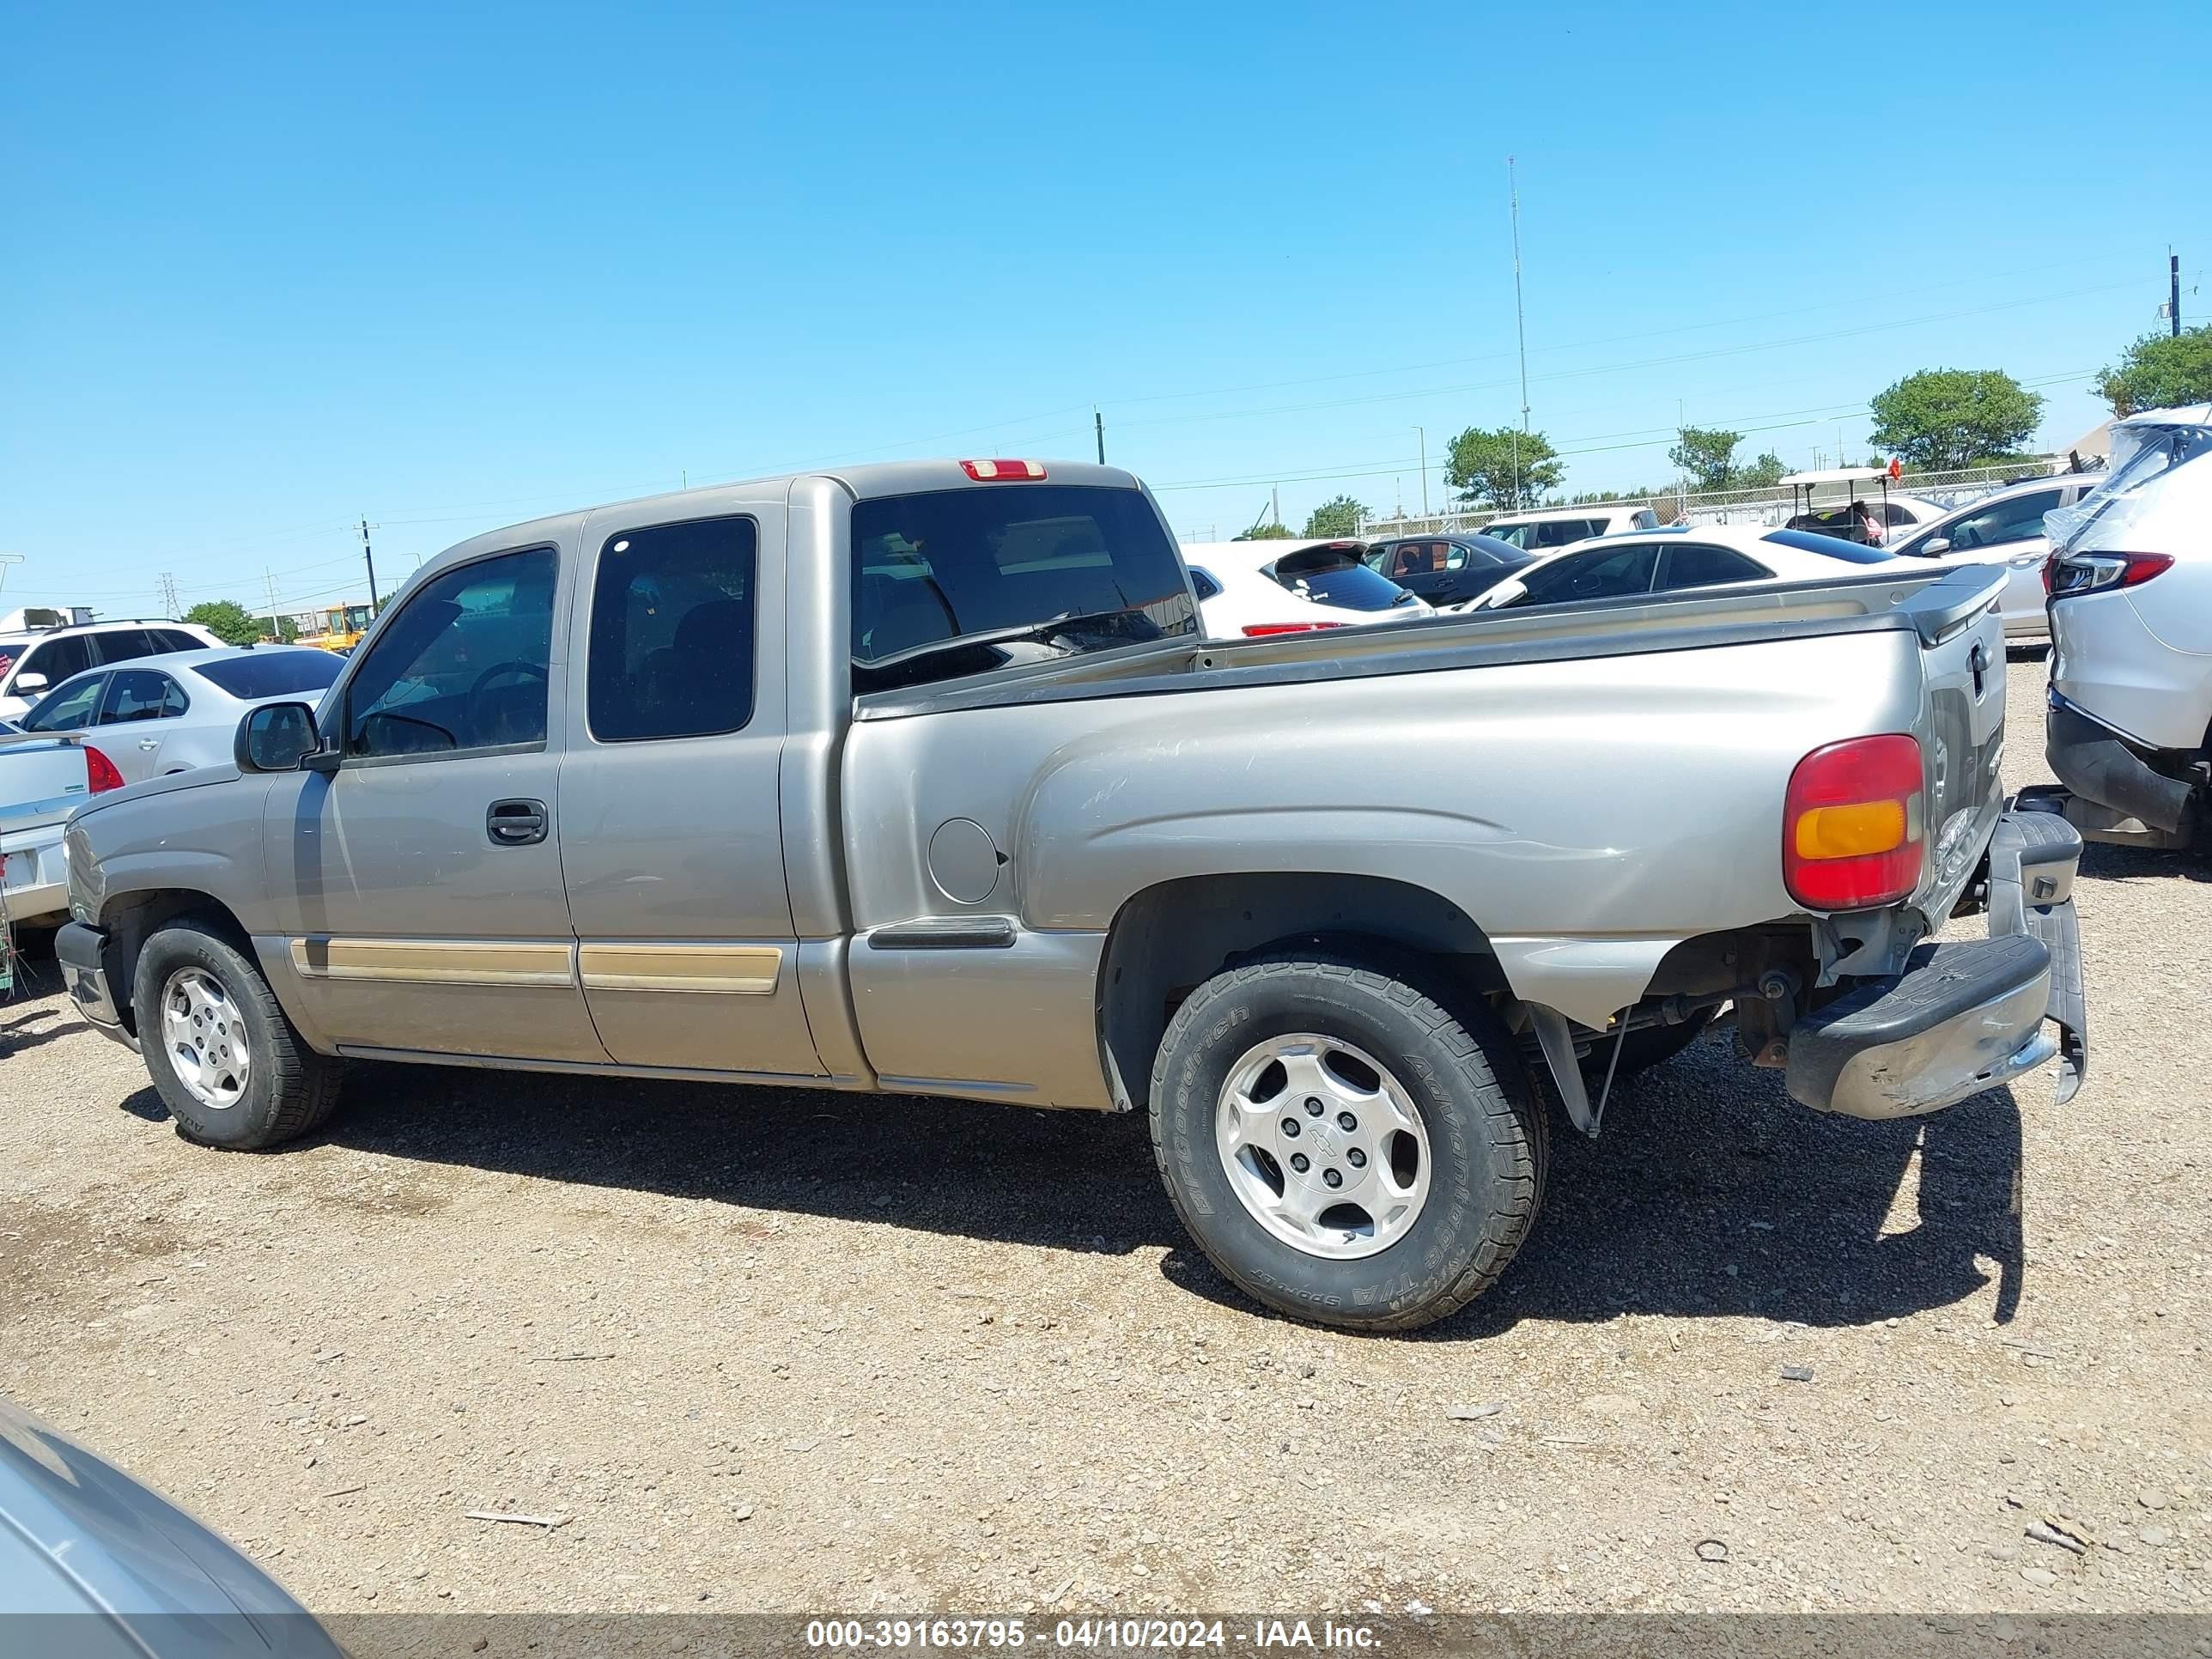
(276,627)
(1520,323)
(1275,505)
(2173,282)
(1099,421)
(1422,432)
(168,596)
(369,554)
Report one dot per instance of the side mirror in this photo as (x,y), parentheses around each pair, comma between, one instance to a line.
(1509,591)
(277,737)
(1934,547)
(27,683)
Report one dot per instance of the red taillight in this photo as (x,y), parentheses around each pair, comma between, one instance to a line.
(2067,576)
(1262,630)
(1002,471)
(1853,824)
(100,771)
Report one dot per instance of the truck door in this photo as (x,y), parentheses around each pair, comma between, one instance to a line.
(420,879)
(672,842)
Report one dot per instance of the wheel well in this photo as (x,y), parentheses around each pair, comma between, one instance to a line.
(1168,939)
(133,918)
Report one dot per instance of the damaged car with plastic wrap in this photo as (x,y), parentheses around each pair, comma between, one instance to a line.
(921,778)
(2129,582)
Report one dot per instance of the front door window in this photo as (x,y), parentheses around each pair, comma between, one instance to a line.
(464,668)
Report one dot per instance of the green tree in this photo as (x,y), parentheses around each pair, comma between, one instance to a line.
(1336,518)
(1707,454)
(228,620)
(1761,474)
(1951,417)
(2160,371)
(1502,466)
(1265,532)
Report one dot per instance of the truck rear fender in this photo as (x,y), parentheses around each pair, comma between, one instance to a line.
(1169,939)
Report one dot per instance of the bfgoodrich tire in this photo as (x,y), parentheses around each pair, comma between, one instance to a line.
(1317,1067)
(228,1063)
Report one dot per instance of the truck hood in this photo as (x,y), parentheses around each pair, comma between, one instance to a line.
(202,778)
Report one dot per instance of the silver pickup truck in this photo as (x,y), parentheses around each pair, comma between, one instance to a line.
(918,778)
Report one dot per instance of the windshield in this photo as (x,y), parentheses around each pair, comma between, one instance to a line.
(251,676)
(1330,576)
(1834,547)
(938,568)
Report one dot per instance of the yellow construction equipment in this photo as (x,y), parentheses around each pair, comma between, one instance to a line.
(341,626)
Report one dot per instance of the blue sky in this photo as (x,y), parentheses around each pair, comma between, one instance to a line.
(273,269)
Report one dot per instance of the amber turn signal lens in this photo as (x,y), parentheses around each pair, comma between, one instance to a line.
(1850,831)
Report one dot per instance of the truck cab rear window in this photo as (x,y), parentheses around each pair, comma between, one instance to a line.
(941,580)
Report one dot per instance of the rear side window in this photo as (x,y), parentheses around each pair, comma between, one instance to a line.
(126,644)
(673,612)
(175,638)
(140,694)
(960,582)
(253,675)
(1203,585)
(1701,565)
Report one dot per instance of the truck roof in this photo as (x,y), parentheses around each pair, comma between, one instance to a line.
(863,483)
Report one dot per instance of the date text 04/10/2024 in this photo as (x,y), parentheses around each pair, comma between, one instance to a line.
(1110,1634)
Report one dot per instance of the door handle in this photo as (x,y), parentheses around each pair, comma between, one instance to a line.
(150,744)
(516,823)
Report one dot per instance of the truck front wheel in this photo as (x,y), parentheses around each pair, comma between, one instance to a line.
(228,1063)
(1342,1145)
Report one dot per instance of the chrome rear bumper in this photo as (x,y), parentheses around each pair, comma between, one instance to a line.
(1966,1016)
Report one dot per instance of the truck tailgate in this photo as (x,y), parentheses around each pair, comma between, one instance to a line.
(1963,662)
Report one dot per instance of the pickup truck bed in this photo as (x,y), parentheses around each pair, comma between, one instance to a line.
(850,779)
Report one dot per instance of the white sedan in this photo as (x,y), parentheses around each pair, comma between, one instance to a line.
(1247,590)
(176,712)
(1670,560)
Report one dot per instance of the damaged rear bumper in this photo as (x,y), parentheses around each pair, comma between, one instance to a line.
(1968,1016)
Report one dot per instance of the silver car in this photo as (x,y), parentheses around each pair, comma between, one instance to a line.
(2006,526)
(93,1564)
(175,713)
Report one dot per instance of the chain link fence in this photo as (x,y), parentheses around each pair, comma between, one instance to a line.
(1768,506)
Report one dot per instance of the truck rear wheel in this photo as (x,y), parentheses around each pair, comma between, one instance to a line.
(1342,1145)
(228,1063)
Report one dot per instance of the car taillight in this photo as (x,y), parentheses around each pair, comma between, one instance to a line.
(100,771)
(1853,824)
(1261,630)
(1002,471)
(2067,576)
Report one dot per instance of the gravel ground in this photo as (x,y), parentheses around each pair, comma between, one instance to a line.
(798,1350)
